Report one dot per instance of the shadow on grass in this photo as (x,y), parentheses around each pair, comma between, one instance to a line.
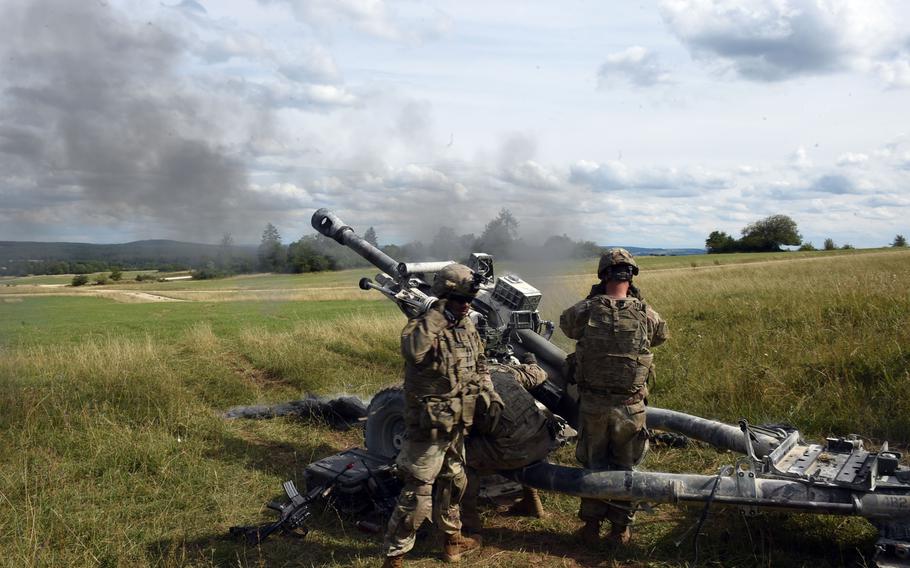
(332,540)
(283,459)
(728,538)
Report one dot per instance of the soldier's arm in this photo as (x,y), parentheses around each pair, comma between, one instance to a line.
(420,337)
(657,327)
(572,322)
(483,370)
(530,376)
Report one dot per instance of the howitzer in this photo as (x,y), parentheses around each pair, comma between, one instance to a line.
(779,470)
(505,310)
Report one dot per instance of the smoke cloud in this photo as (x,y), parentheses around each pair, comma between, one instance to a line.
(95,113)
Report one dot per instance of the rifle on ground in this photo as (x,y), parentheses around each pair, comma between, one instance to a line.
(292,515)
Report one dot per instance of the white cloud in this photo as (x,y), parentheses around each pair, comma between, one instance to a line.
(800,158)
(635,65)
(894,73)
(852,159)
(377,18)
(531,175)
(656,180)
(834,183)
(781,39)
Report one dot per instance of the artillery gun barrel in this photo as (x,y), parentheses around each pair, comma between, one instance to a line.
(332,226)
(406,269)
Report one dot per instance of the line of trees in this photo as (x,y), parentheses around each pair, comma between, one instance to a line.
(314,253)
(770,234)
(766,235)
(25,267)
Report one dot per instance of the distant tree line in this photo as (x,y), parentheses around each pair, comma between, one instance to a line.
(26,267)
(23,258)
(769,234)
(315,253)
(766,235)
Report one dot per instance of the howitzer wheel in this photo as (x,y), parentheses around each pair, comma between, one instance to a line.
(384,432)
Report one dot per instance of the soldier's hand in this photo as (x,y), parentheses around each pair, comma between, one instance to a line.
(436,321)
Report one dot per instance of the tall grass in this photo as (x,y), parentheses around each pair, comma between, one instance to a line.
(112,451)
(821,344)
(352,355)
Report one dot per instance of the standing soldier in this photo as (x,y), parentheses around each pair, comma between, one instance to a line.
(445,379)
(614,330)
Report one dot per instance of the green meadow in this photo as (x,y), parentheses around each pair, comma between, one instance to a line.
(113,451)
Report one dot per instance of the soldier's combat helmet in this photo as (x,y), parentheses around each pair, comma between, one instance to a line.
(617,264)
(456,279)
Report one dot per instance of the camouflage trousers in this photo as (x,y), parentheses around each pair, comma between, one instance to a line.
(485,457)
(611,436)
(424,463)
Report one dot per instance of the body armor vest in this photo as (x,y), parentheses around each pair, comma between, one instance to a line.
(442,394)
(519,407)
(613,357)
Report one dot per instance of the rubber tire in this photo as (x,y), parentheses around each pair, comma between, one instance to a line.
(384,431)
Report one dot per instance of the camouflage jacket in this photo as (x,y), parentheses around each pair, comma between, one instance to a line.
(522,434)
(445,371)
(529,376)
(614,338)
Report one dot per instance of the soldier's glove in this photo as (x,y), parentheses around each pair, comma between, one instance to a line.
(436,321)
(487,411)
(529,359)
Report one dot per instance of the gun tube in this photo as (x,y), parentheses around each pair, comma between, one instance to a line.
(736,489)
(332,226)
(406,269)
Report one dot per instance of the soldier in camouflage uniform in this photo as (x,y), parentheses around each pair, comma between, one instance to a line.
(615,331)
(446,378)
(523,434)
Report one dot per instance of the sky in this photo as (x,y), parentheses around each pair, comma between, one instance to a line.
(645,123)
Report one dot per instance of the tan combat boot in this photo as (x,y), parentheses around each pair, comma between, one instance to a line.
(589,534)
(456,545)
(620,535)
(393,561)
(529,505)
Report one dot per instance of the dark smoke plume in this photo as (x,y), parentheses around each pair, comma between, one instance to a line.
(96,121)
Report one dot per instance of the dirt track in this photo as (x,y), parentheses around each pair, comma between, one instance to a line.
(125,296)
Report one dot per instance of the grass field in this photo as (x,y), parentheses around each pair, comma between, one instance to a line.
(112,451)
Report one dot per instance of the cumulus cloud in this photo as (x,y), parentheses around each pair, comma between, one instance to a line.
(800,158)
(635,65)
(852,159)
(774,41)
(657,180)
(377,18)
(833,183)
(894,73)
